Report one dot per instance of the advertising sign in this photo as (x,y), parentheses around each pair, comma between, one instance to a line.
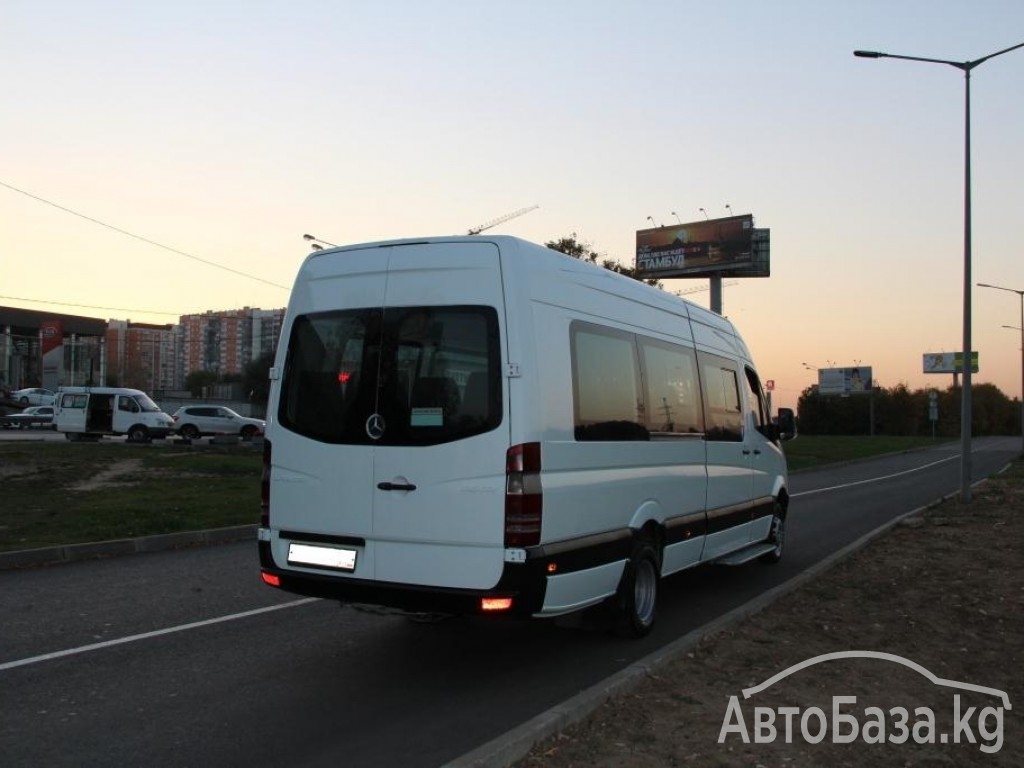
(948,362)
(728,247)
(51,343)
(844,381)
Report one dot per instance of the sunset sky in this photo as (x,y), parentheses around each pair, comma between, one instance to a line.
(217,133)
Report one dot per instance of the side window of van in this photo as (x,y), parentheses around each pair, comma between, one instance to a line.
(73,401)
(672,388)
(125,403)
(607,399)
(723,412)
(757,402)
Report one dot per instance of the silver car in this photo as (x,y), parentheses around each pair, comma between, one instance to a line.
(33,416)
(33,396)
(194,421)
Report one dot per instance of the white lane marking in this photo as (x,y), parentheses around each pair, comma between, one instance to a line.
(875,479)
(156,633)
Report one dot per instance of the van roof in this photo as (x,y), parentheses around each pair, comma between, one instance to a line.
(101,390)
(541,258)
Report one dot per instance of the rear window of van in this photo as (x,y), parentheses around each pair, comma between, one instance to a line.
(395,376)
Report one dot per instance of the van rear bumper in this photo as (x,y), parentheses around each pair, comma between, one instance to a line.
(525,583)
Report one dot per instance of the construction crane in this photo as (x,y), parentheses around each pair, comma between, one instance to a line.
(502,219)
(701,288)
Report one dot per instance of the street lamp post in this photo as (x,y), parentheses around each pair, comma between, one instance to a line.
(318,244)
(965,402)
(1021,329)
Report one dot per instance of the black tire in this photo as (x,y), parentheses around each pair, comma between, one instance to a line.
(190,432)
(776,535)
(249,432)
(636,601)
(138,434)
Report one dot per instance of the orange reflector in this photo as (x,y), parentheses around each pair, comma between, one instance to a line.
(271,579)
(491,604)
(552,567)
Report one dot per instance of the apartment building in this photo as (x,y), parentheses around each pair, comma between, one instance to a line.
(141,355)
(50,349)
(225,341)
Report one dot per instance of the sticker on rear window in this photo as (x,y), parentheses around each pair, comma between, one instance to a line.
(427,417)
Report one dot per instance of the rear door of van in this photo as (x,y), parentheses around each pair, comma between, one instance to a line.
(405,454)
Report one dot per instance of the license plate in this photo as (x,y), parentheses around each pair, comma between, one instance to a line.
(337,558)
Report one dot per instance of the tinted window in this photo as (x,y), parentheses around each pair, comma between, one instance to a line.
(723,414)
(607,400)
(429,375)
(673,404)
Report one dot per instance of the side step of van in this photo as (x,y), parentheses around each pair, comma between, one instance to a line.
(746,554)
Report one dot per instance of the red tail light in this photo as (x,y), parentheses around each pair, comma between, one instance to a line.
(265,487)
(523,495)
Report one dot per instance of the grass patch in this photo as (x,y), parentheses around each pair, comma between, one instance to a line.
(66,494)
(62,493)
(809,451)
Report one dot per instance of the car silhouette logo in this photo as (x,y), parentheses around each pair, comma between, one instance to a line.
(375,426)
(748,692)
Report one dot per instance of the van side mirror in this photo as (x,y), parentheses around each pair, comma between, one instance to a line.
(786,424)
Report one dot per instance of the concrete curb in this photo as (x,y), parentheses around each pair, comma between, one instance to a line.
(516,744)
(68,553)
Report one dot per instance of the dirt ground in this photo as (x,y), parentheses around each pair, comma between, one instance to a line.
(944,590)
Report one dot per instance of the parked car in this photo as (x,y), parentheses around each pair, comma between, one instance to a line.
(193,421)
(33,416)
(33,396)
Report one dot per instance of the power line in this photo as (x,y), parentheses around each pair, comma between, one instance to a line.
(91,306)
(146,240)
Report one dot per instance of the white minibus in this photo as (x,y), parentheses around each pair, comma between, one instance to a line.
(483,425)
(88,413)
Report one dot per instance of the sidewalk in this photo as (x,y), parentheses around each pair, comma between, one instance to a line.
(943,588)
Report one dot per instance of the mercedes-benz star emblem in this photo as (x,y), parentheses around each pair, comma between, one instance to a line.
(375,426)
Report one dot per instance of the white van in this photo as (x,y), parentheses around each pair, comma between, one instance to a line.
(484,425)
(91,412)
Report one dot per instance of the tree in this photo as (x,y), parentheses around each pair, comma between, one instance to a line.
(196,381)
(900,411)
(583,251)
(256,378)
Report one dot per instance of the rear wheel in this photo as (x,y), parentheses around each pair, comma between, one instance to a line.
(248,432)
(636,600)
(776,535)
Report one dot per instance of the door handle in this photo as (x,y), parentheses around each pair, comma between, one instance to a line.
(396,486)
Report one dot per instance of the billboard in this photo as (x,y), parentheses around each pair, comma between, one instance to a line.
(728,247)
(948,362)
(845,381)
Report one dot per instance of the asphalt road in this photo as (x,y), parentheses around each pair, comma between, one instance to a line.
(185,658)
